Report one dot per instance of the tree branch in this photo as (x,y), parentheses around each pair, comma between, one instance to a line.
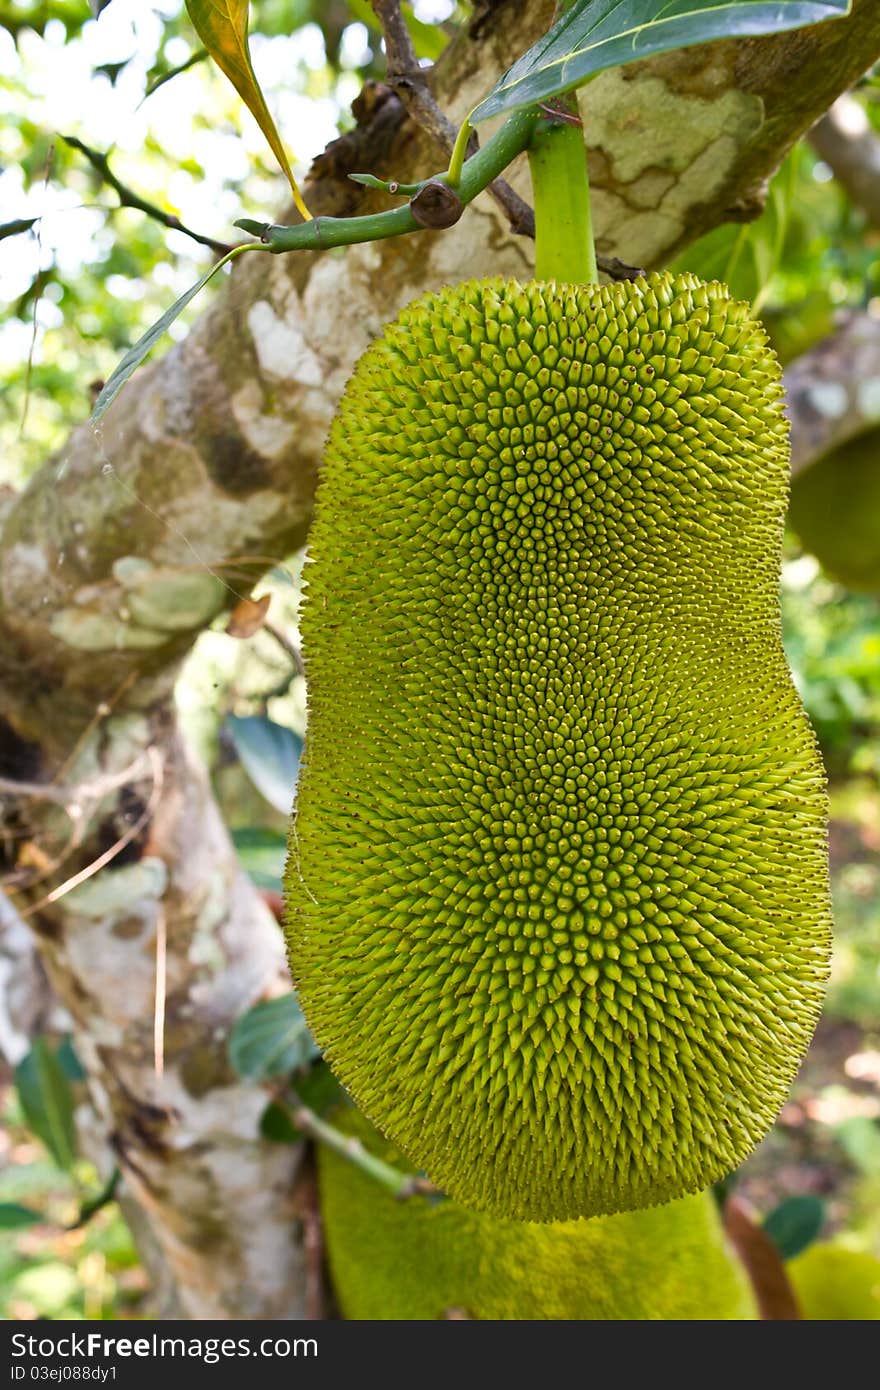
(846,141)
(830,390)
(130,199)
(409,80)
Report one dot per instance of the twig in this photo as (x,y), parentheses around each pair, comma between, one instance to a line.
(72,796)
(38,287)
(401,1185)
(408,79)
(198,56)
(103,711)
(110,854)
(478,172)
(129,199)
(287,646)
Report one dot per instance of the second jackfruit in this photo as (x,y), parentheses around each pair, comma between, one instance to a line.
(420,1259)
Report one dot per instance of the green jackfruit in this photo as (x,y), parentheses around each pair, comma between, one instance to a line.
(834,1284)
(835,512)
(416,1260)
(557,884)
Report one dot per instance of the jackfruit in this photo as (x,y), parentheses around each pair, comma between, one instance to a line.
(835,1284)
(835,512)
(419,1260)
(557,884)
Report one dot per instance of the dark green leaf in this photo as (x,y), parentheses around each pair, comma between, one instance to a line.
(47,1101)
(17,226)
(135,355)
(276,1125)
(269,754)
(795,1224)
(597,34)
(271,1039)
(14,1217)
(262,855)
(69,1062)
(319,1089)
(112,70)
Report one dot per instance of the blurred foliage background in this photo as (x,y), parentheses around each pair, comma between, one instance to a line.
(89,277)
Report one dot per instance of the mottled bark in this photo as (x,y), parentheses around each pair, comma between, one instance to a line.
(121,552)
(847,142)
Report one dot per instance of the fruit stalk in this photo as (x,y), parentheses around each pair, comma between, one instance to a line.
(564,245)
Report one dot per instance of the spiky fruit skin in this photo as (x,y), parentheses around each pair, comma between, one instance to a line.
(557,885)
(419,1259)
(835,512)
(834,1284)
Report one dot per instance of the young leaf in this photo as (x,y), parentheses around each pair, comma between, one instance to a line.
(271,1039)
(248,616)
(222,26)
(270,755)
(597,34)
(795,1224)
(135,355)
(47,1101)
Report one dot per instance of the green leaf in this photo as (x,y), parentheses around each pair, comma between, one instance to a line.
(859,1137)
(270,754)
(262,855)
(135,355)
(14,1217)
(222,26)
(597,34)
(795,1224)
(271,1039)
(277,1126)
(47,1101)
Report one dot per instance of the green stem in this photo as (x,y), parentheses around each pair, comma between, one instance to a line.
(477,173)
(401,1185)
(564,245)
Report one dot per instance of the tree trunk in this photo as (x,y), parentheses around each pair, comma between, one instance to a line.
(845,139)
(121,552)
